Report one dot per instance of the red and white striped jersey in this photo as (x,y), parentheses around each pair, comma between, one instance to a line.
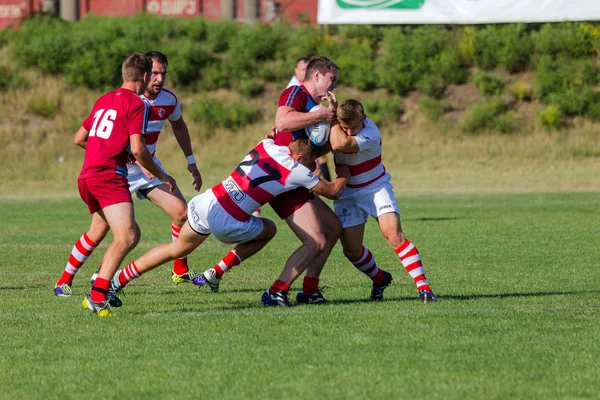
(265,172)
(165,106)
(365,165)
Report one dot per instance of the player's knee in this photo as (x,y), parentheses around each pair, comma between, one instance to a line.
(333,231)
(393,237)
(352,254)
(269,228)
(179,216)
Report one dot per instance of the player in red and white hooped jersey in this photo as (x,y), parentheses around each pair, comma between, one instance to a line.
(356,142)
(226,209)
(163,105)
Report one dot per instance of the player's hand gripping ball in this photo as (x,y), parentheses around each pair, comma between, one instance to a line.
(319,132)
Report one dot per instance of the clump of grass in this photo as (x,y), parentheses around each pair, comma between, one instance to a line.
(434,109)
(551,117)
(212,113)
(520,90)
(43,107)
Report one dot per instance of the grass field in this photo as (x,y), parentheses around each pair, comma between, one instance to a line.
(518,316)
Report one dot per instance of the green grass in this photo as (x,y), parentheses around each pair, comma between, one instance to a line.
(518,317)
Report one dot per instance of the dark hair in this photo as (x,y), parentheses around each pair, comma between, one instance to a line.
(135,66)
(302,59)
(321,64)
(158,56)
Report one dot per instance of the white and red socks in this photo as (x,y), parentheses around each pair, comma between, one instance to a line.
(127,274)
(81,251)
(411,259)
(180,265)
(228,262)
(367,265)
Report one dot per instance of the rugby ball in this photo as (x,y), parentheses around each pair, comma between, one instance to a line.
(319,132)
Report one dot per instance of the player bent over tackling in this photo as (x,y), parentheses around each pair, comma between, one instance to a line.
(356,142)
(226,209)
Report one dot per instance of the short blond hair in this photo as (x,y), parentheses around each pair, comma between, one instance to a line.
(305,147)
(135,66)
(351,112)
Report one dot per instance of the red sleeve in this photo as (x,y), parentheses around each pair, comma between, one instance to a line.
(293,97)
(137,120)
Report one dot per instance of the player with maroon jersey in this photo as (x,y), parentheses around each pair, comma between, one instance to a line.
(313,222)
(164,105)
(226,209)
(115,128)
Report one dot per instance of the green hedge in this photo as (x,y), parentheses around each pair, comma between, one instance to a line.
(207,55)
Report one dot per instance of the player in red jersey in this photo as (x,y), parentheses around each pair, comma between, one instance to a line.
(164,105)
(356,142)
(226,210)
(313,222)
(115,128)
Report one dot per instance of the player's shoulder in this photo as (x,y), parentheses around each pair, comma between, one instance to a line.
(293,95)
(370,130)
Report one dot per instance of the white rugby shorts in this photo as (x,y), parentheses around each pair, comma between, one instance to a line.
(138,181)
(355,205)
(206,216)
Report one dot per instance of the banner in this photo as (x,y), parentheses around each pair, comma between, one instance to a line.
(455,11)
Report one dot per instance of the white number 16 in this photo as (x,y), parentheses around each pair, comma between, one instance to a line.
(106,123)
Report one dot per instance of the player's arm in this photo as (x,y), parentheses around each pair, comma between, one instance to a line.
(81,137)
(288,119)
(182,135)
(137,145)
(341,141)
(333,190)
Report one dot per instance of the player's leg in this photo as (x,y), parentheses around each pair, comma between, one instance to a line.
(175,206)
(363,260)
(305,224)
(391,228)
(242,251)
(187,242)
(330,225)
(126,234)
(81,251)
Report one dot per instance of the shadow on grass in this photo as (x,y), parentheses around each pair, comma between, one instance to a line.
(428,219)
(469,296)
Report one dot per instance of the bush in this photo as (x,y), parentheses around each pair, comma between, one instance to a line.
(250,87)
(565,39)
(11,80)
(485,116)
(487,47)
(520,91)
(187,62)
(574,102)
(213,114)
(432,85)
(466,45)
(516,48)
(406,54)
(434,109)
(220,34)
(449,66)
(593,111)
(383,111)
(43,107)
(358,65)
(554,75)
(488,84)
(551,117)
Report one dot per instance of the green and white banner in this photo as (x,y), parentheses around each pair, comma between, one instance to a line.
(455,11)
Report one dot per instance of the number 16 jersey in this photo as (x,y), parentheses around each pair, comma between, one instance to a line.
(265,172)
(115,117)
